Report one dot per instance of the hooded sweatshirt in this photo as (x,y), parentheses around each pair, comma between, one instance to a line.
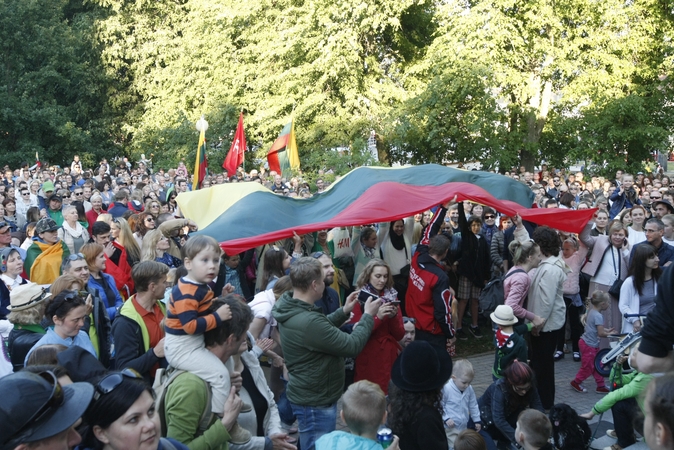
(314,349)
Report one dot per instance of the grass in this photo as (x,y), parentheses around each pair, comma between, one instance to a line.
(474,346)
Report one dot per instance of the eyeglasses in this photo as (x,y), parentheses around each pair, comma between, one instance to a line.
(54,401)
(409,319)
(317,255)
(490,216)
(112,381)
(522,389)
(75,257)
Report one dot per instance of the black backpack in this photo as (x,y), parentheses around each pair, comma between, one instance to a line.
(492,294)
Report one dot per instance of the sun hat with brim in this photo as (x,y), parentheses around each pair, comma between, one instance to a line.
(420,367)
(26,296)
(34,408)
(503,315)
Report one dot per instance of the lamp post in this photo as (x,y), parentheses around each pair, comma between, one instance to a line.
(202,125)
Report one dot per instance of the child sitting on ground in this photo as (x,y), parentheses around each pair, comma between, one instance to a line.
(363,411)
(188,319)
(459,404)
(533,430)
(589,342)
(510,345)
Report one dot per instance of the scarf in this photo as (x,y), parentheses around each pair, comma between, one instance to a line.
(502,339)
(74,232)
(488,231)
(398,242)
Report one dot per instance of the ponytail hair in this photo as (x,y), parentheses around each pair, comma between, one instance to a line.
(596,299)
(520,251)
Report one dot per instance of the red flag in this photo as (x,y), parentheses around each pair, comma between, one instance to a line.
(235,156)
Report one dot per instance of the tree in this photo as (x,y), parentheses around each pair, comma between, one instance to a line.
(53,96)
(540,59)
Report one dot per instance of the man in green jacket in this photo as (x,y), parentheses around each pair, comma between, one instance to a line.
(314,348)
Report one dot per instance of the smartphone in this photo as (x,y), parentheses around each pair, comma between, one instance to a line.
(394,303)
(363,296)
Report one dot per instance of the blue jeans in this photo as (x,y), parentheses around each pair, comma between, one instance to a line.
(314,422)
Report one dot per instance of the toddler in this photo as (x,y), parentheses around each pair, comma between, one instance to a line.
(533,430)
(589,341)
(188,318)
(510,344)
(459,404)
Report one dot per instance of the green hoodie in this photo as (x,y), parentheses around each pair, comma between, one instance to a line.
(314,349)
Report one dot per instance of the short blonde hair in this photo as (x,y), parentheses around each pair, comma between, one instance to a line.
(364,406)
(463,367)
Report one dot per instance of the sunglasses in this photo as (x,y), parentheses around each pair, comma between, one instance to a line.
(77,193)
(317,255)
(112,382)
(490,216)
(275,248)
(149,219)
(75,257)
(409,319)
(25,193)
(54,402)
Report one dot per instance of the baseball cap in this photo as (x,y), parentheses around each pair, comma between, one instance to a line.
(35,407)
(46,224)
(48,186)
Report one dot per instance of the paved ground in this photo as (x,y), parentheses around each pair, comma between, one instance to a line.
(565,371)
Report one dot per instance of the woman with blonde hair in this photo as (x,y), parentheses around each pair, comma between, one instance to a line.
(121,232)
(155,248)
(107,218)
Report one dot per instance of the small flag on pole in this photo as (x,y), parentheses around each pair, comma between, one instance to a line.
(283,154)
(235,156)
(201,163)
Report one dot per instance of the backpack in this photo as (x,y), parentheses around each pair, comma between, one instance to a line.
(492,294)
(162,381)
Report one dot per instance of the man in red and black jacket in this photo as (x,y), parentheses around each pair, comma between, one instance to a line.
(429,297)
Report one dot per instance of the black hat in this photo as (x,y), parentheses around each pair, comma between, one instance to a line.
(55,197)
(35,407)
(420,367)
(666,203)
(80,364)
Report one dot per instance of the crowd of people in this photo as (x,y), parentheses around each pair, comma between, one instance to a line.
(106,294)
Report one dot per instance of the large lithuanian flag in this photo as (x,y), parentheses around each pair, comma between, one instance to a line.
(244,215)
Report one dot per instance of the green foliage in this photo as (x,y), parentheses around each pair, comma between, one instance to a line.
(498,81)
(53,96)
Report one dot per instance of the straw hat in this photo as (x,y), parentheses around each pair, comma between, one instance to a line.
(26,296)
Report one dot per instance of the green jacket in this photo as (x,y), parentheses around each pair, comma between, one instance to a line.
(632,384)
(186,399)
(314,349)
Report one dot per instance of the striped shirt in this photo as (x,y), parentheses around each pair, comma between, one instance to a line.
(187,311)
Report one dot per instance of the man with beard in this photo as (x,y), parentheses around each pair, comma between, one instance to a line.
(329,302)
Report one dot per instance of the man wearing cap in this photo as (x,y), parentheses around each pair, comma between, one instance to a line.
(46,192)
(54,204)
(44,256)
(6,239)
(660,208)
(37,412)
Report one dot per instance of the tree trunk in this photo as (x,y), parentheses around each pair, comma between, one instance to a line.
(539,103)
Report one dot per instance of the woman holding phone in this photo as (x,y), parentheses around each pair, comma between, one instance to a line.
(374,363)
